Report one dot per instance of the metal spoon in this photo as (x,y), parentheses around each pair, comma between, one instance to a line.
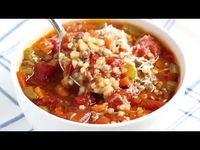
(61,33)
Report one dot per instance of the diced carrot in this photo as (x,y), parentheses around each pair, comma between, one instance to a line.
(58,111)
(132,114)
(46,46)
(108,42)
(122,49)
(93,32)
(99,108)
(21,79)
(102,120)
(125,82)
(61,90)
(39,92)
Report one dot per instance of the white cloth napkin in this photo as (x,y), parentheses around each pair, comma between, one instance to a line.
(185,115)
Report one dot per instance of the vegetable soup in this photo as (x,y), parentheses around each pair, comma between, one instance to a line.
(113,72)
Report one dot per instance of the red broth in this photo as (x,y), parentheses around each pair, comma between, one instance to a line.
(124,73)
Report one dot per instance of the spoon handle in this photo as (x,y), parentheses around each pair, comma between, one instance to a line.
(59,28)
(61,33)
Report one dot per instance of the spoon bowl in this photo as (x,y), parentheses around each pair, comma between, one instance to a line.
(61,33)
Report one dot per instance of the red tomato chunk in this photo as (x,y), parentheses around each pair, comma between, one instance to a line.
(147,43)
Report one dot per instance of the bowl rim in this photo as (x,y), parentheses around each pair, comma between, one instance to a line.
(146,23)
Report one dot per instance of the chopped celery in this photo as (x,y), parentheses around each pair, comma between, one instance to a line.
(131,70)
(44,108)
(35,58)
(133,30)
(173,68)
(29,54)
(101,24)
(29,92)
(160,64)
(40,53)
(26,70)
(171,86)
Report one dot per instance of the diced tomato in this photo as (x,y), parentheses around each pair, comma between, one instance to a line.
(114,61)
(45,73)
(151,95)
(55,44)
(79,100)
(86,99)
(167,55)
(147,42)
(114,101)
(93,58)
(154,48)
(140,52)
(69,69)
(135,101)
(47,99)
(65,42)
(152,104)
(123,92)
(50,98)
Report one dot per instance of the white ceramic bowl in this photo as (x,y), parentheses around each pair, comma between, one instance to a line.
(42,120)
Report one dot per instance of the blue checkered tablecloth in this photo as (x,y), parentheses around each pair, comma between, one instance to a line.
(184,116)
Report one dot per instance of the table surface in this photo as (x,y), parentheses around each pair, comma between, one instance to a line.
(185,115)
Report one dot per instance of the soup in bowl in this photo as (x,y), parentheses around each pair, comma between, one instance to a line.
(114,74)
